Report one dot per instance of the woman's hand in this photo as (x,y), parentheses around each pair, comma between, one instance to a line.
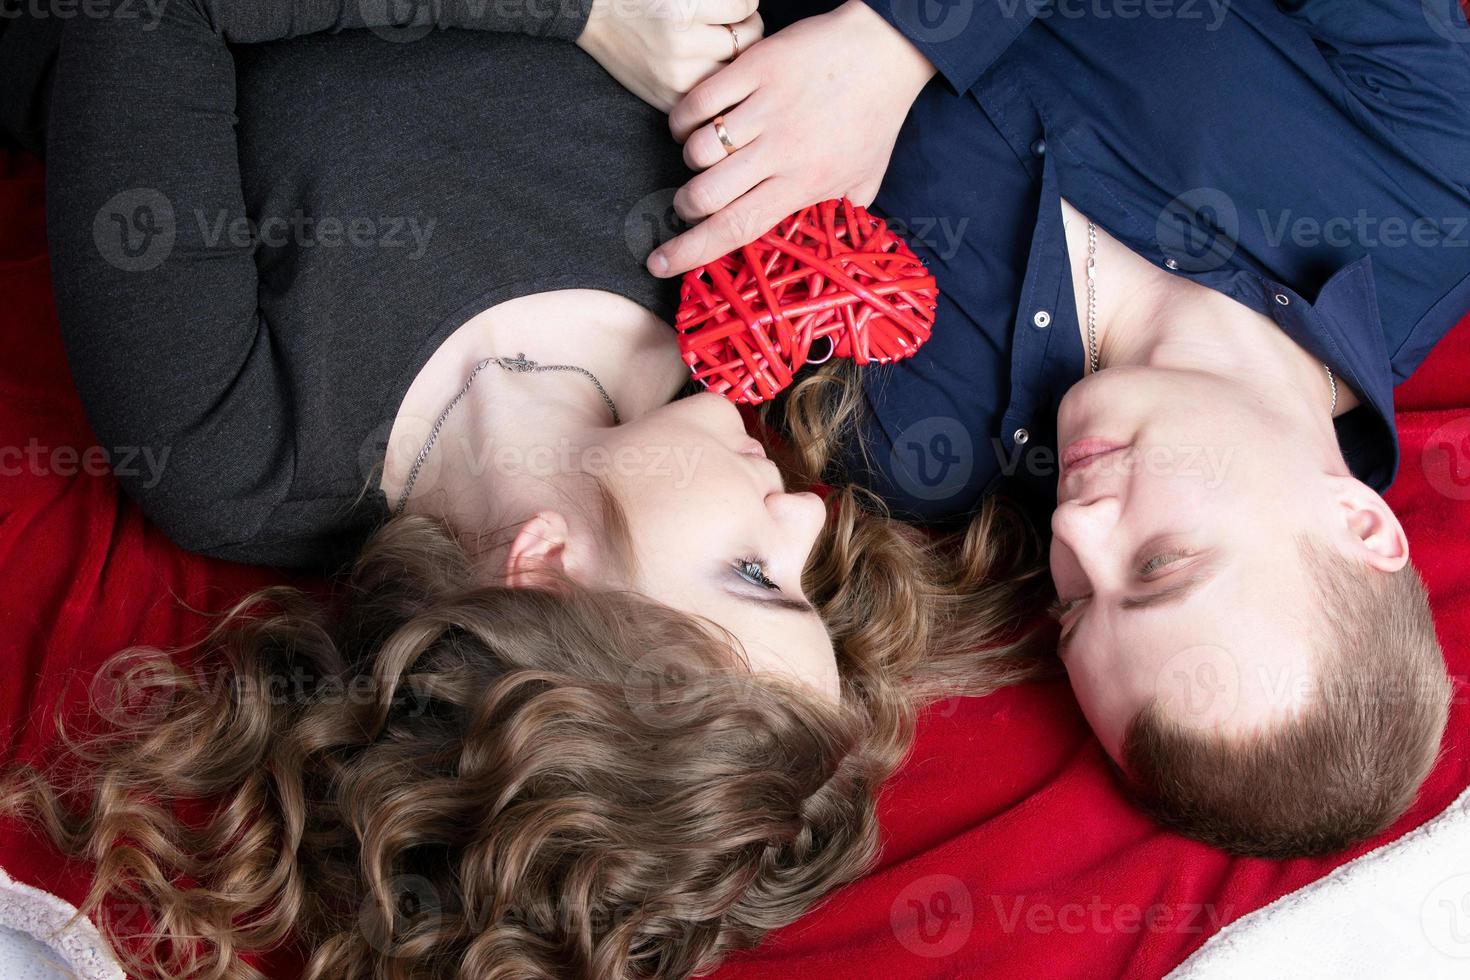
(816,110)
(660,49)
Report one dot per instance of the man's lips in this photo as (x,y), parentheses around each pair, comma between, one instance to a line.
(1084,452)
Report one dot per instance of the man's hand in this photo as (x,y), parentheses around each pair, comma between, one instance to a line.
(660,50)
(816,110)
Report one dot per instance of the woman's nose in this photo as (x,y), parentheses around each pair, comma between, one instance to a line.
(799,514)
(722,415)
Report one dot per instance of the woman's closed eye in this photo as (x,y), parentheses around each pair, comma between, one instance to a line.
(1060,607)
(753,570)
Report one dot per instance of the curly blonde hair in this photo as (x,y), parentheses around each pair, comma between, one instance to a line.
(425,776)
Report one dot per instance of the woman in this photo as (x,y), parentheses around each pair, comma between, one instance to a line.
(597,697)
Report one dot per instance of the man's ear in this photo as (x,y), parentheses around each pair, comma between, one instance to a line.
(1373,532)
(539,556)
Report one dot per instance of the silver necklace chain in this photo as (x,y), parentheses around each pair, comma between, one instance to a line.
(1092,358)
(520,364)
(1092,296)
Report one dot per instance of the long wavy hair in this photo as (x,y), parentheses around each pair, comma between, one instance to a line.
(425,774)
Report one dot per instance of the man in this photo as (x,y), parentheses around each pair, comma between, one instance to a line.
(1185,252)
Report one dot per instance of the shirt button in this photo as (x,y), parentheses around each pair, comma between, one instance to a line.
(1171,263)
(1282,299)
(1038,148)
(1021,437)
(1042,319)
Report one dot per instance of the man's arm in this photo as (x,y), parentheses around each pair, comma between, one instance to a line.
(1407,63)
(960,38)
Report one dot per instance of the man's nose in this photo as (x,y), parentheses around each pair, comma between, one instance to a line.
(1085,523)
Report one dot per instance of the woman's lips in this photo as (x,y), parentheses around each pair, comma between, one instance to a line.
(755,451)
(1084,452)
(753,447)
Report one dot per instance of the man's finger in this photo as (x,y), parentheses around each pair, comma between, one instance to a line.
(716,188)
(703,148)
(748,218)
(725,88)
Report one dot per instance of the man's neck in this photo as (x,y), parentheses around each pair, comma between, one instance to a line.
(1149,316)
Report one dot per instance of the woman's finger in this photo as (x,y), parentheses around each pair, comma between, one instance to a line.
(725,88)
(721,184)
(704,148)
(724,42)
(722,11)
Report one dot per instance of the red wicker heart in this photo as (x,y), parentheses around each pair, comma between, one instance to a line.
(748,321)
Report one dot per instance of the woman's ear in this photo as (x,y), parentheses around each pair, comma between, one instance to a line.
(539,554)
(1374,534)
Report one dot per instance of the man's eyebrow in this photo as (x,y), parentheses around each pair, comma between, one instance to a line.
(1173,592)
(1177,591)
(777,601)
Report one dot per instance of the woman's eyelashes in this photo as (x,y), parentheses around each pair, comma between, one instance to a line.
(753,571)
(1060,607)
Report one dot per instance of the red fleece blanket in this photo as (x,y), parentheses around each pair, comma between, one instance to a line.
(1009,850)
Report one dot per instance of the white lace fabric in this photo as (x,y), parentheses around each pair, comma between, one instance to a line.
(35,946)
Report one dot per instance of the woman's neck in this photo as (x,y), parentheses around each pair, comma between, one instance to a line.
(507,416)
(633,353)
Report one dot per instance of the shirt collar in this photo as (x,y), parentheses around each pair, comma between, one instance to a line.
(1341,328)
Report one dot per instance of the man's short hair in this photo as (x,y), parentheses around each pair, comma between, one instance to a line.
(1347,765)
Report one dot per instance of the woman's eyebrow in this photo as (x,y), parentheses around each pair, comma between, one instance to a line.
(778,601)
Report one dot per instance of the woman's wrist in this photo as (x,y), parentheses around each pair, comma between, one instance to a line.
(571,19)
(591,26)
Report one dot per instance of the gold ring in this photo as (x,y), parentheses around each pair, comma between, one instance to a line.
(734,41)
(724,135)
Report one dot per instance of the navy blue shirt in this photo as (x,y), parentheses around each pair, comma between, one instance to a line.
(1308,159)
